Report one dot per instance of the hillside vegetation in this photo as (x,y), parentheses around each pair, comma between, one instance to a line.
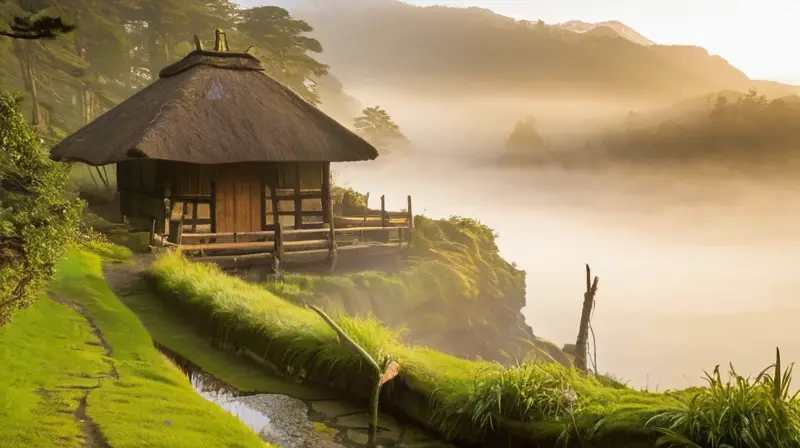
(457,294)
(750,128)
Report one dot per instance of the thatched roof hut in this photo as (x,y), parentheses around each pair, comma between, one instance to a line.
(223,145)
(214,107)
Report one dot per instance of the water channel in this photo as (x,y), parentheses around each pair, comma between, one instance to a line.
(293,423)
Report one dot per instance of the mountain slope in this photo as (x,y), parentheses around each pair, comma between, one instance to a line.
(620,28)
(441,49)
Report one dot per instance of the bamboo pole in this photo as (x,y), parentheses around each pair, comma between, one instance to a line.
(383,376)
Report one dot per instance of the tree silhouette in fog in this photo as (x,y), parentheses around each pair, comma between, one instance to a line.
(377,127)
(525,137)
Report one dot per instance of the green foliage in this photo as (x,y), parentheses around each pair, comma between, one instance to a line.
(737,412)
(119,47)
(38,28)
(378,128)
(748,128)
(525,137)
(37,224)
(525,393)
(282,45)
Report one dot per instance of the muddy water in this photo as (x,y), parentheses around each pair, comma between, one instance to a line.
(292,423)
(696,268)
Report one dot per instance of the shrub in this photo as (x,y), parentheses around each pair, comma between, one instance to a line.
(37,223)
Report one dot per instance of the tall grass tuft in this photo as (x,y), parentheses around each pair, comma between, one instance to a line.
(738,412)
(526,392)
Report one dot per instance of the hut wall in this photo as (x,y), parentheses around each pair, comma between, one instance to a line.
(141,191)
(238,197)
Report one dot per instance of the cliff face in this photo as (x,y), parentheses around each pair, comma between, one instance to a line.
(456,295)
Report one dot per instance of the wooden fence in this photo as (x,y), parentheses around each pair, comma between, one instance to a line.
(346,230)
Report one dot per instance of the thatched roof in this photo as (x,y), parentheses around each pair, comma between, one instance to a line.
(214,107)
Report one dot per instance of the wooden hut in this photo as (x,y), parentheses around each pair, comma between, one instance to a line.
(218,143)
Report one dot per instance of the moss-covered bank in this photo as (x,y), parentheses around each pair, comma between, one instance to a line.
(456,294)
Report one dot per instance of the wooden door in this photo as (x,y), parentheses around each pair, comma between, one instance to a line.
(239,200)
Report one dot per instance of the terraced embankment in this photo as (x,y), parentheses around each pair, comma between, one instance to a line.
(469,402)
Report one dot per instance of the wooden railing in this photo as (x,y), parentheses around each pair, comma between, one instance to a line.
(374,226)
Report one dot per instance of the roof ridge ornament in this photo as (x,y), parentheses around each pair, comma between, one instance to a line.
(221,41)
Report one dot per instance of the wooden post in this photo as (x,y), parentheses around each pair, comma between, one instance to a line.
(327,199)
(410,223)
(213,210)
(298,199)
(581,345)
(366,213)
(153,233)
(277,251)
(332,250)
(383,211)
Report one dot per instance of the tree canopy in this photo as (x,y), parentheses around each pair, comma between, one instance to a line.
(117,47)
(748,127)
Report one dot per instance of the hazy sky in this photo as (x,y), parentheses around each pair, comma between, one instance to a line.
(758,36)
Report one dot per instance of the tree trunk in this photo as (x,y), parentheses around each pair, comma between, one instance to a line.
(26,61)
(582,344)
(157,52)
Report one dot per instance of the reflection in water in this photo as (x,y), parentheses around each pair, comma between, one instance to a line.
(209,388)
(696,269)
(220,393)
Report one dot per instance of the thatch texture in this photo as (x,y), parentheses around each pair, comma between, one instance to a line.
(212,108)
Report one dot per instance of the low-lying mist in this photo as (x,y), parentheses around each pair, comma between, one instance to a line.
(696,265)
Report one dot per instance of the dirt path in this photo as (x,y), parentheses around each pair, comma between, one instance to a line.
(122,276)
(91,432)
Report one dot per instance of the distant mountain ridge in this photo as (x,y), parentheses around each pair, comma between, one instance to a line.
(441,49)
(620,28)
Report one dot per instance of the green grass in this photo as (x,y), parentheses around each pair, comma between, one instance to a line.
(51,358)
(737,412)
(540,403)
(456,279)
(177,334)
(464,394)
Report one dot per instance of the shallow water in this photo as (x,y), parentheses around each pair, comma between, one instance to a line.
(293,423)
(696,268)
